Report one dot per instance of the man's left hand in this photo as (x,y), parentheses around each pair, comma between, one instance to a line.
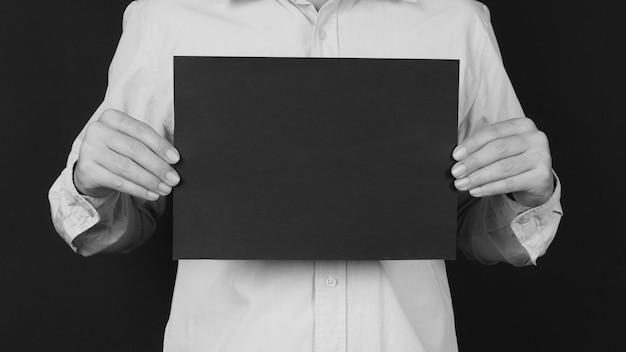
(511,156)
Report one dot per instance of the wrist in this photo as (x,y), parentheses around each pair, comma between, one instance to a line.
(535,198)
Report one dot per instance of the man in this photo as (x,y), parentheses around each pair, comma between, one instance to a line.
(121,167)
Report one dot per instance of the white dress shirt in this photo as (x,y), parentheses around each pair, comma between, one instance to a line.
(307,305)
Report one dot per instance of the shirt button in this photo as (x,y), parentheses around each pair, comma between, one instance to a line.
(331,282)
(322,35)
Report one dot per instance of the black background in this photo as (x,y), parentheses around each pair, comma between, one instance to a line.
(564,59)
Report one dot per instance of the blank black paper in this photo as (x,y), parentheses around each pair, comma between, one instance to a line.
(315,158)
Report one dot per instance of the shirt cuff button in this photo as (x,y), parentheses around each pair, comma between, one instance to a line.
(331,282)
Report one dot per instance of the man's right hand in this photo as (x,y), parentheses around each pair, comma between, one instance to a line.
(120,153)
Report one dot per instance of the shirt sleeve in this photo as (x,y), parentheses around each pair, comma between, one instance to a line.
(498,229)
(118,222)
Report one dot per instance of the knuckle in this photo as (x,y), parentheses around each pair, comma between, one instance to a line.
(117,182)
(493,131)
(126,124)
(520,140)
(525,123)
(501,148)
(88,152)
(84,147)
(109,116)
(470,165)
(124,165)
(544,173)
(134,147)
(154,183)
(509,184)
(541,138)
(507,166)
(93,129)
(470,161)
(141,130)
(474,179)
(162,147)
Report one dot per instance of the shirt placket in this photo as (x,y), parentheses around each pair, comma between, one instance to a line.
(325,41)
(330,276)
(330,279)
(330,331)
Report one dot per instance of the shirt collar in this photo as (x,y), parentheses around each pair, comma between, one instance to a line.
(301,1)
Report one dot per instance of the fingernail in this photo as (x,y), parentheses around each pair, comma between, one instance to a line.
(458,170)
(165,189)
(459,153)
(152,195)
(173,178)
(461,184)
(173,155)
(476,192)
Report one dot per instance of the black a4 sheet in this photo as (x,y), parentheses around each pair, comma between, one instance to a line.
(315,158)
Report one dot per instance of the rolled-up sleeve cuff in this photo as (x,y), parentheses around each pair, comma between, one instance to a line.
(535,228)
(76,213)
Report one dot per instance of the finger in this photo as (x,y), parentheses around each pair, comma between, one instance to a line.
(142,132)
(491,152)
(501,169)
(110,180)
(127,169)
(138,152)
(490,133)
(517,183)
